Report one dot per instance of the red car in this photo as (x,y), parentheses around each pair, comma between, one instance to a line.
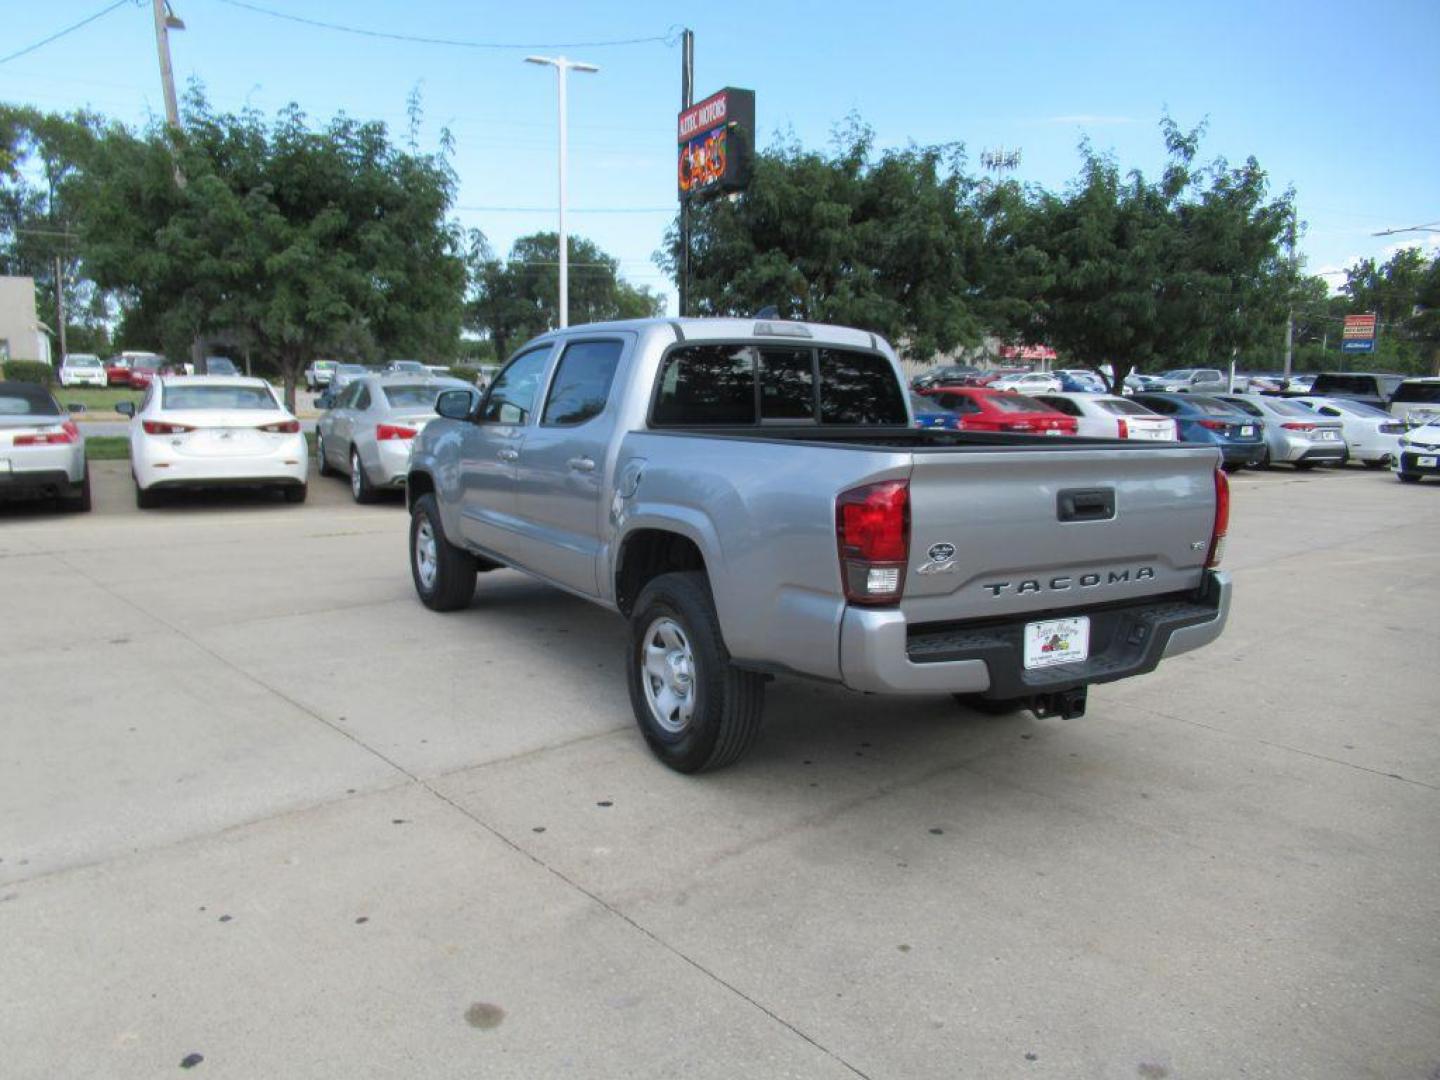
(117,371)
(144,369)
(995,410)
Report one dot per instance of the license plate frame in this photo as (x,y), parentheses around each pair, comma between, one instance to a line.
(1048,642)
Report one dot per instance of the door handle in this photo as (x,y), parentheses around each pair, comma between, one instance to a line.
(508,455)
(581,464)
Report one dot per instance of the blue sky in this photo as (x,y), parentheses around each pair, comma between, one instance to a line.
(1340,101)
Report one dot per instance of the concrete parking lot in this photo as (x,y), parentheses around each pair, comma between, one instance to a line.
(259,807)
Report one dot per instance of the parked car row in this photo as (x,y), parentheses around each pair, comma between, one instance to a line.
(1249,429)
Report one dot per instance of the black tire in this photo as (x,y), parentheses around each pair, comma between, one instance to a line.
(989,706)
(296,494)
(323,465)
(1408,477)
(79,503)
(726,703)
(453,584)
(146,500)
(1378,463)
(361,490)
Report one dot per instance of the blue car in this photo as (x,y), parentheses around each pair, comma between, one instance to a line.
(1202,419)
(930,415)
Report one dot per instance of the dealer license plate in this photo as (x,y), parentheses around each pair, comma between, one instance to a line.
(1426,462)
(1056,641)
(1247,431)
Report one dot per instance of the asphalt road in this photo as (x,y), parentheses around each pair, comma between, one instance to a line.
(258,805)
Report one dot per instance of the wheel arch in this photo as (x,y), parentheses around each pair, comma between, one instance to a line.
(649,551)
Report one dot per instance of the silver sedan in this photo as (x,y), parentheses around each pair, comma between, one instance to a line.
(368,432)
(42,453)
(1293,434)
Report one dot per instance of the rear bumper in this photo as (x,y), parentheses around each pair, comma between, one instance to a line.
(38,483)
(880,653)
(1242,453)
(156,465)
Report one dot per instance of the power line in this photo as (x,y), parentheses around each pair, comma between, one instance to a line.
(569,209)
(61,33)
(668,38)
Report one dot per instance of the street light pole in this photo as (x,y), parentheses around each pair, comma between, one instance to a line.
(561,66)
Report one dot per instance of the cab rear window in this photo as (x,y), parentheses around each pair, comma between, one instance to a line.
(729,384)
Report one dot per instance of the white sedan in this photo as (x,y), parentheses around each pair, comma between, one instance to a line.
(197,431)
(1106,416)
(82,369)
(1371,435)
(1029,382)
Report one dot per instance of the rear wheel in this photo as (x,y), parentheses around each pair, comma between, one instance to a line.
(360,486)
(146,500)
(696,709)
(444,574)
(79,503)
(322,462)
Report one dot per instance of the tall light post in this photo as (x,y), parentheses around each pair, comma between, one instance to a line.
(561,66)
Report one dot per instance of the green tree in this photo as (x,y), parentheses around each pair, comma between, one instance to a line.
(294,239)
(1130,272)
(515,299)
(1402,293)
(890,242)
(39,156)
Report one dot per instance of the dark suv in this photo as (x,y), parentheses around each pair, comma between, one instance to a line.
(1372,388)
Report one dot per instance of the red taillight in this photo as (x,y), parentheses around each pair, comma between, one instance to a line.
(68,433)
(872,524)
(160,427)
(1215,425)
(1123,429)
(1295,425)
(384,432)
(1222,520)
(282,427)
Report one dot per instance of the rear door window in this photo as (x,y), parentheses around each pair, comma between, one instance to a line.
(582,382)
(706,384)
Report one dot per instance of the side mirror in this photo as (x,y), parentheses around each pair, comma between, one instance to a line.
(125,408)
(75,407)
(455,404)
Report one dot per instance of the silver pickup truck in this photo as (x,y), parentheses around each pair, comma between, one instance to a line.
(752,497)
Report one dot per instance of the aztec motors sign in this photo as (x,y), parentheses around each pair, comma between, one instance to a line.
(715,137)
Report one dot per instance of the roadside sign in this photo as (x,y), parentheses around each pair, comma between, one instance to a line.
(715,137)
(1359,335)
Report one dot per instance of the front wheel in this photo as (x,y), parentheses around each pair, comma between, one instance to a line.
(322,462)
(444,574)
(696,709)
(1408,477)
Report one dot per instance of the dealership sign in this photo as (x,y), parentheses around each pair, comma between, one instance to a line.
(1359,335)
(715,137)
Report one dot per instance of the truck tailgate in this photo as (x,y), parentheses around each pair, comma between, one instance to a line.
(1041,531)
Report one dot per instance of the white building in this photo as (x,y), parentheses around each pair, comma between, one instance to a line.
(22,335)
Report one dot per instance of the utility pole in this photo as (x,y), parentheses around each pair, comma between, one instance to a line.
(687,98)
(60,304)
(165,21)
(1289,341)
